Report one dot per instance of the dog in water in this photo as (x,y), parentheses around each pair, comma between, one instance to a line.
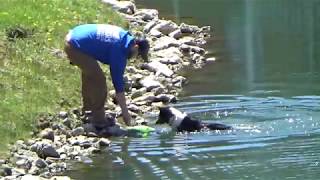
(182,122)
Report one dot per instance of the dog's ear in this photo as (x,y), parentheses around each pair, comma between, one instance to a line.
(164,115)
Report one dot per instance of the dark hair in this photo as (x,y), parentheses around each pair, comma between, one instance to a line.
(143,46)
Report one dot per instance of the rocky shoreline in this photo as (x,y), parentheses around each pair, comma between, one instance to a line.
(67,137)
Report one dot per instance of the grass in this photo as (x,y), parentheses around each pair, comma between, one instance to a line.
(33,81)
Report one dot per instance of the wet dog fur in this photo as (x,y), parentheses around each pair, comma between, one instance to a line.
(182,122)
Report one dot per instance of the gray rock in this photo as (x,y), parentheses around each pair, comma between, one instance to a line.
(165,42)
(31,177)
(165,27)
(78,131)
(5,171)
(155,33)
(134,108)
(40,163)
(23,163)
(138,93)
(150,83)
(63,114)
(165,98)
(2,161)
(172,60)
(149,26)
(177,34)
(60,178)
(172,52)
(185,28)
(188,41)
(158,91)
(126,7)
(197,49)
(44,150)
(67,122)
(47,134)
(147,14)
(147,97)
(158,68)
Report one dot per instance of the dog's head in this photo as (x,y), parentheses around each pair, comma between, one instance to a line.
(169,114)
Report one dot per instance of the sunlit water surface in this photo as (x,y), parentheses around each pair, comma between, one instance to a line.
(273,138)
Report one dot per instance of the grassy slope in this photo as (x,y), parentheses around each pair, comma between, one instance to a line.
(32,79)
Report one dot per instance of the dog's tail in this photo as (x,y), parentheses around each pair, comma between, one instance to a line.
(217,126)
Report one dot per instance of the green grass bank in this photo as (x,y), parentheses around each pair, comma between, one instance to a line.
(33,81)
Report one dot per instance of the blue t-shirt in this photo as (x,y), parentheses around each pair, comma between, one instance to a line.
(108,44)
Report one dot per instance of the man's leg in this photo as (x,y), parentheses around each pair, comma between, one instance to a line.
(94,89)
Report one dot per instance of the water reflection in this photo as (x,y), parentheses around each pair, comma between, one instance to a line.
(270,45)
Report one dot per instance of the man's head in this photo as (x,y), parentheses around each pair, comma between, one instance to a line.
(140,48)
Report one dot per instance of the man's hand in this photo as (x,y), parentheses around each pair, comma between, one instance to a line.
(123,105)
(127,118)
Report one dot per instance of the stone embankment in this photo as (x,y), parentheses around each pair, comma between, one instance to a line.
(65,137)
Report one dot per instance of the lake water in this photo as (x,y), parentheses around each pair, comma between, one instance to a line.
(265,83)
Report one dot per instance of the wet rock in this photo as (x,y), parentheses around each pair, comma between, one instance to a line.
(57,167)
(47,134)
(211,59)
(104,142)
(147,14)
(205,29)
(197,49)
(138,93)
(165,98)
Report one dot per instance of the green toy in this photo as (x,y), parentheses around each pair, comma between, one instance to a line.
(140,130)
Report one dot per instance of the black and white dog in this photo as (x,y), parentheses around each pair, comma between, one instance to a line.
(182,122)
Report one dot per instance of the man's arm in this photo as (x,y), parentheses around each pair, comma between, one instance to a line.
(117,69)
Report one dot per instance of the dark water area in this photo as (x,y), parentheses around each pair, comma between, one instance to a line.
(265,83)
